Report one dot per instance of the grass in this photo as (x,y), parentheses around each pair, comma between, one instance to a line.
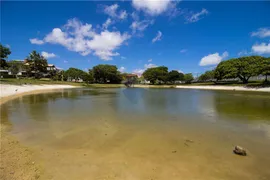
(252,84)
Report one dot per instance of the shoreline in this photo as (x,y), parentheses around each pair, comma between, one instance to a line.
(17,160)
(226,88)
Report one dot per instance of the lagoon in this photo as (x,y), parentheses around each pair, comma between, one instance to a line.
(138,133)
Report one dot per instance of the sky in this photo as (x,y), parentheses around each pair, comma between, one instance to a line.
(188,36)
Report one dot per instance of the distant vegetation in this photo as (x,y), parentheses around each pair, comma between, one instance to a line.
(35,66)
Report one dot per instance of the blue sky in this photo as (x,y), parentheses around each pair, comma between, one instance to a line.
(190,36)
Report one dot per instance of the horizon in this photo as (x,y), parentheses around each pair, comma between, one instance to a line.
(191,37)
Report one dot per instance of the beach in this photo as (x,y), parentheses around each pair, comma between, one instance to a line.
(231,88)
(17,160)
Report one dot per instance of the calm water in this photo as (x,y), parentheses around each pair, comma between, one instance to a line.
(140,133)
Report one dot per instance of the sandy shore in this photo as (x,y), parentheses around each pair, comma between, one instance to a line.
(17,160)
(11,90)
(233,88)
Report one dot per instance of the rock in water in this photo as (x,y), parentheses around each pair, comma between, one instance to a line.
(240,151)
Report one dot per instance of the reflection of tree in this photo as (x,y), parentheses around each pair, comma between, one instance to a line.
(243,105)
(4,116)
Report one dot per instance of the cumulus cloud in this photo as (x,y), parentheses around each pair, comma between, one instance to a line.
(192,17)
(213,59)
(82,38)
(122,69)
(36,41)
(158,37)
(262,48)
(47,55)
(261,32)
(150,60)
(146,66)
(114,13)
(183,50)
(243,53)
(152,7)
(139,71)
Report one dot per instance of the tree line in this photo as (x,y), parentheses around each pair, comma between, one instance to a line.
(242,68)
(36,66)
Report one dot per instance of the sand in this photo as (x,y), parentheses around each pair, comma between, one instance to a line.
(234,88)
(18,161)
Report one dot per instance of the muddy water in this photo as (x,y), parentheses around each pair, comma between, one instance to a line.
(145,133)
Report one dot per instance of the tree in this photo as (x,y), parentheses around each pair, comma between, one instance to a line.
(156,73)
(74,73)
(105,73)
(247,67)
(208,75)
(14,67)
(4,52)
(36,63)
(175,76)
(242,68)
(188,78)
(265,67)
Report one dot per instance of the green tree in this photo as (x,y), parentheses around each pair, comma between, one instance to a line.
(175,76)
(14,67)
(74,73)
(265,67)
(105,73)
(208,75)
(4,52)
(224,70)
(188,78)
(36,63)
(156,74)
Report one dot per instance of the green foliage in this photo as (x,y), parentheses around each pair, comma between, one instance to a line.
(37,64)
(175,76)
(74,73)
(105,73)
(265,67)
(15,66)
(156,74)
(4,51)
(208,75)
(243,68)
(188,78)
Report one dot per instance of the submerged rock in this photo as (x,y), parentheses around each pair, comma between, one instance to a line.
(240,151)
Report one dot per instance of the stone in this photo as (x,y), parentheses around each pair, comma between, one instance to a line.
(240,151)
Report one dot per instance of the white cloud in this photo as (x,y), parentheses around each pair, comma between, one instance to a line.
(243,53)
(47,55)
(65,61)
(123,15)
(82,38)
(122,69)
(36,41)
(138,72)
(112,11)
(107,23)
(262,48)
(146,66)
(183,50)
(261,32)
(152,7)
(213,59)
(150,60)
(122,57)
(158,37)
(181,71)
(8,46)
(140,25)
(194,17)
